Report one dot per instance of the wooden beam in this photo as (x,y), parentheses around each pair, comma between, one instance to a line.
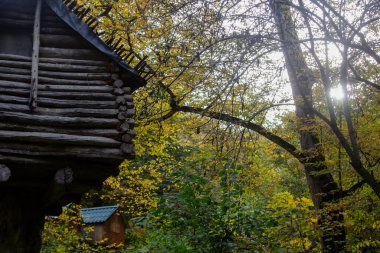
(53,138)
(94,96)
(110,133)
(62,103)
(11,57)
(70,112)
(104,154)
(35,57)
(59,121)
(55,87)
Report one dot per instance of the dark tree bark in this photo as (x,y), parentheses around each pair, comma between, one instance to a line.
(21,222)
(321,184)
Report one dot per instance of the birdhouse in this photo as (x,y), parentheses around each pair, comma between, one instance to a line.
(66,104)
(105,226)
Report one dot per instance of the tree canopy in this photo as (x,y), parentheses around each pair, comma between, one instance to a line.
(258,131)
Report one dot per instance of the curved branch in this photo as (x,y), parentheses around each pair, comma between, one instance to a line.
(246,124)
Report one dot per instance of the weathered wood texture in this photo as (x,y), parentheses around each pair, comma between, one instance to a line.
(112,231)
(35,56)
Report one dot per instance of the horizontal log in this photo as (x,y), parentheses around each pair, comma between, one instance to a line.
(49,15)
(46,87)
(70,112)
(20,8)
(92,88)
(49,52)
(53,138)
(64,81)
(16,15)
(99,63)
(73,61)
(21,14)
(60,103)
(62,151)
(59,121)
(13,57)
(61,94)
(77,76)
(57,80)
(64,41)
(57,30)
(16,23)
(54,24)
(87,63)
(10,70)
(22,160)
(15,77)
(18,18)
(58,75)
(16,64)
(74,67)
(110,133)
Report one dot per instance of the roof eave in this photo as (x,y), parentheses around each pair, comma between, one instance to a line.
(87,33)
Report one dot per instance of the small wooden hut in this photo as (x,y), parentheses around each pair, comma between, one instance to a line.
(66,112)
(106,226)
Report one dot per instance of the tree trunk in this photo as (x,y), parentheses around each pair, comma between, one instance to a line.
(21,222)
(321,184)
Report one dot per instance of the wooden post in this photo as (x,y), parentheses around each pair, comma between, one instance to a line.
(35,57)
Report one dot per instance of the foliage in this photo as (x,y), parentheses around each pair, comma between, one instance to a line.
(66,233)
(209,182)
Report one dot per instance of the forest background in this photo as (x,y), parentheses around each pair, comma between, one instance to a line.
(257,133)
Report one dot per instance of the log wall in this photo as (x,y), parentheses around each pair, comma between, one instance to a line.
(83,113)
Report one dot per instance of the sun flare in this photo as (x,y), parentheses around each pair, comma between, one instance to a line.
(337,93)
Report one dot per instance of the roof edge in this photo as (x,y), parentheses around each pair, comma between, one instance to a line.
(72,20)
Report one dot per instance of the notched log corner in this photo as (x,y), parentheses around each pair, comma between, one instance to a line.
(5,173)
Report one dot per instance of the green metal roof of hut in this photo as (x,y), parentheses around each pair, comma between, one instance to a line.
(97,214)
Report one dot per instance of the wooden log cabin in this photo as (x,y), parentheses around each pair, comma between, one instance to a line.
(66,109)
